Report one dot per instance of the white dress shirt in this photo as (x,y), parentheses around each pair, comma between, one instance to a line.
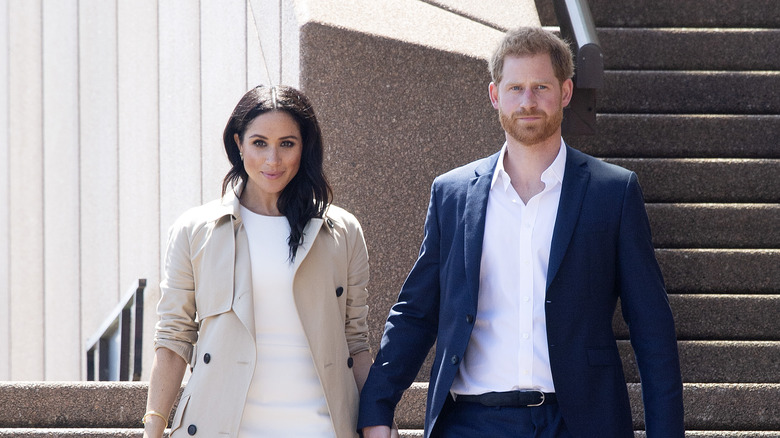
(508,345)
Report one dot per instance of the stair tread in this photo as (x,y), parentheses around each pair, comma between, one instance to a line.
(718,361)
(415,433)
(683,13)
(719,317)
(709,225)
(682,136)
(702,180)
(713,406)
(690,49)
(689,92)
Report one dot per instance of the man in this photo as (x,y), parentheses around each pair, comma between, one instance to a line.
(524,256)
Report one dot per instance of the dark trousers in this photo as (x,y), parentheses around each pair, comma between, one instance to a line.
(470,420)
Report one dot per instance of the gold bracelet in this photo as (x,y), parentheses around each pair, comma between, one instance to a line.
(155,413)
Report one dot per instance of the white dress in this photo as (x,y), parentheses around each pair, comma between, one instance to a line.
(285,397)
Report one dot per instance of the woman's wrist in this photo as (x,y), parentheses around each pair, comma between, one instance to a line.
(153,417)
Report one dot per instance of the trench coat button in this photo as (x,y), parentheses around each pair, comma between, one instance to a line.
(350,362)
(469,318)
(454,359)
(206,358)
(192,430)
(330,222)
(339,291)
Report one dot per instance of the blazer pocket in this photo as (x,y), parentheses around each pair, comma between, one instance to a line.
(600,357)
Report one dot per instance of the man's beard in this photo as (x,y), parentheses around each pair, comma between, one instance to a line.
(531,134)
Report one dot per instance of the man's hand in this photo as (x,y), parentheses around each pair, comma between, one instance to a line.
(380,432)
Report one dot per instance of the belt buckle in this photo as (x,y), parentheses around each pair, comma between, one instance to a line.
(541,402)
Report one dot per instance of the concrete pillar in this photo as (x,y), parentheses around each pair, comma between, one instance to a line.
(223,82)
(139,167)
(99,161)
(5,283)
(180,176)
(138,141)
(26,191)
(63,338)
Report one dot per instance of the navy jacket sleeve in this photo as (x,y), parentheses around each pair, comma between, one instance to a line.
(646,310)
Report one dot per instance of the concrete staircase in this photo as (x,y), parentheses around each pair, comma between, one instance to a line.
(691,102)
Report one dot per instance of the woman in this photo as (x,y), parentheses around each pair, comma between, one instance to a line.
(264,291)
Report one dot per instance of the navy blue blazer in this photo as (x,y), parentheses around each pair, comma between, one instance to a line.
(601,251)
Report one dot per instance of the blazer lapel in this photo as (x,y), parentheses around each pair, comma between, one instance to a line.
(474,221)
(575,183)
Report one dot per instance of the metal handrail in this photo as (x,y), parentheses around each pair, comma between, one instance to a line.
(578,28)
(125,325)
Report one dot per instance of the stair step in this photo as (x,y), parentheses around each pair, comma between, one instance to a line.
(706,180)
(72,433)
(713,317)
(675,13)
(708,406)
(723,406)
(690,49)
(405,433)
(708,326)
(72,404)
(715,225)
(735,271)
(418,433)
(718,361)
(689,92)
(682,136)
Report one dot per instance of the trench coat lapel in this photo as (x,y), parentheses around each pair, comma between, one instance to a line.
(243,301)
(309,303)
(310,233)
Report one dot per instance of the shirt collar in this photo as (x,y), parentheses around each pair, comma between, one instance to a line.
(551,175)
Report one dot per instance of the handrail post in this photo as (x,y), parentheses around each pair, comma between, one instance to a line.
(578,28)
(121,333)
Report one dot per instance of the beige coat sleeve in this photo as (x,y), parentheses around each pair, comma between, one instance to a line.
(177,329)
(355,324)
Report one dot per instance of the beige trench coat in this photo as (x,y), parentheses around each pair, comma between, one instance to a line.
(207,315)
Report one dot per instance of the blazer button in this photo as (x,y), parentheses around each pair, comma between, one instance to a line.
(339,291)
(206,358)
(469,318)
(192,430)
(350,362)
(454,359)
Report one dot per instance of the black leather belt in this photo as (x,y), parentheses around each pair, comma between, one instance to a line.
(510,398)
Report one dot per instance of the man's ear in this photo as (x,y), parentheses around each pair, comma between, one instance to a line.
(493,92)
(567,89)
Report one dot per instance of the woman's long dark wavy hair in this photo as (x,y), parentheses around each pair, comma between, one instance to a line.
(308,194)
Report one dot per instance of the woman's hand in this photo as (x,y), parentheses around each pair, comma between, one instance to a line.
(154,427)
(164,384)
(381,432)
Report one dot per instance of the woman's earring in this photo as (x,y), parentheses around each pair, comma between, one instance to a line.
(240,154)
